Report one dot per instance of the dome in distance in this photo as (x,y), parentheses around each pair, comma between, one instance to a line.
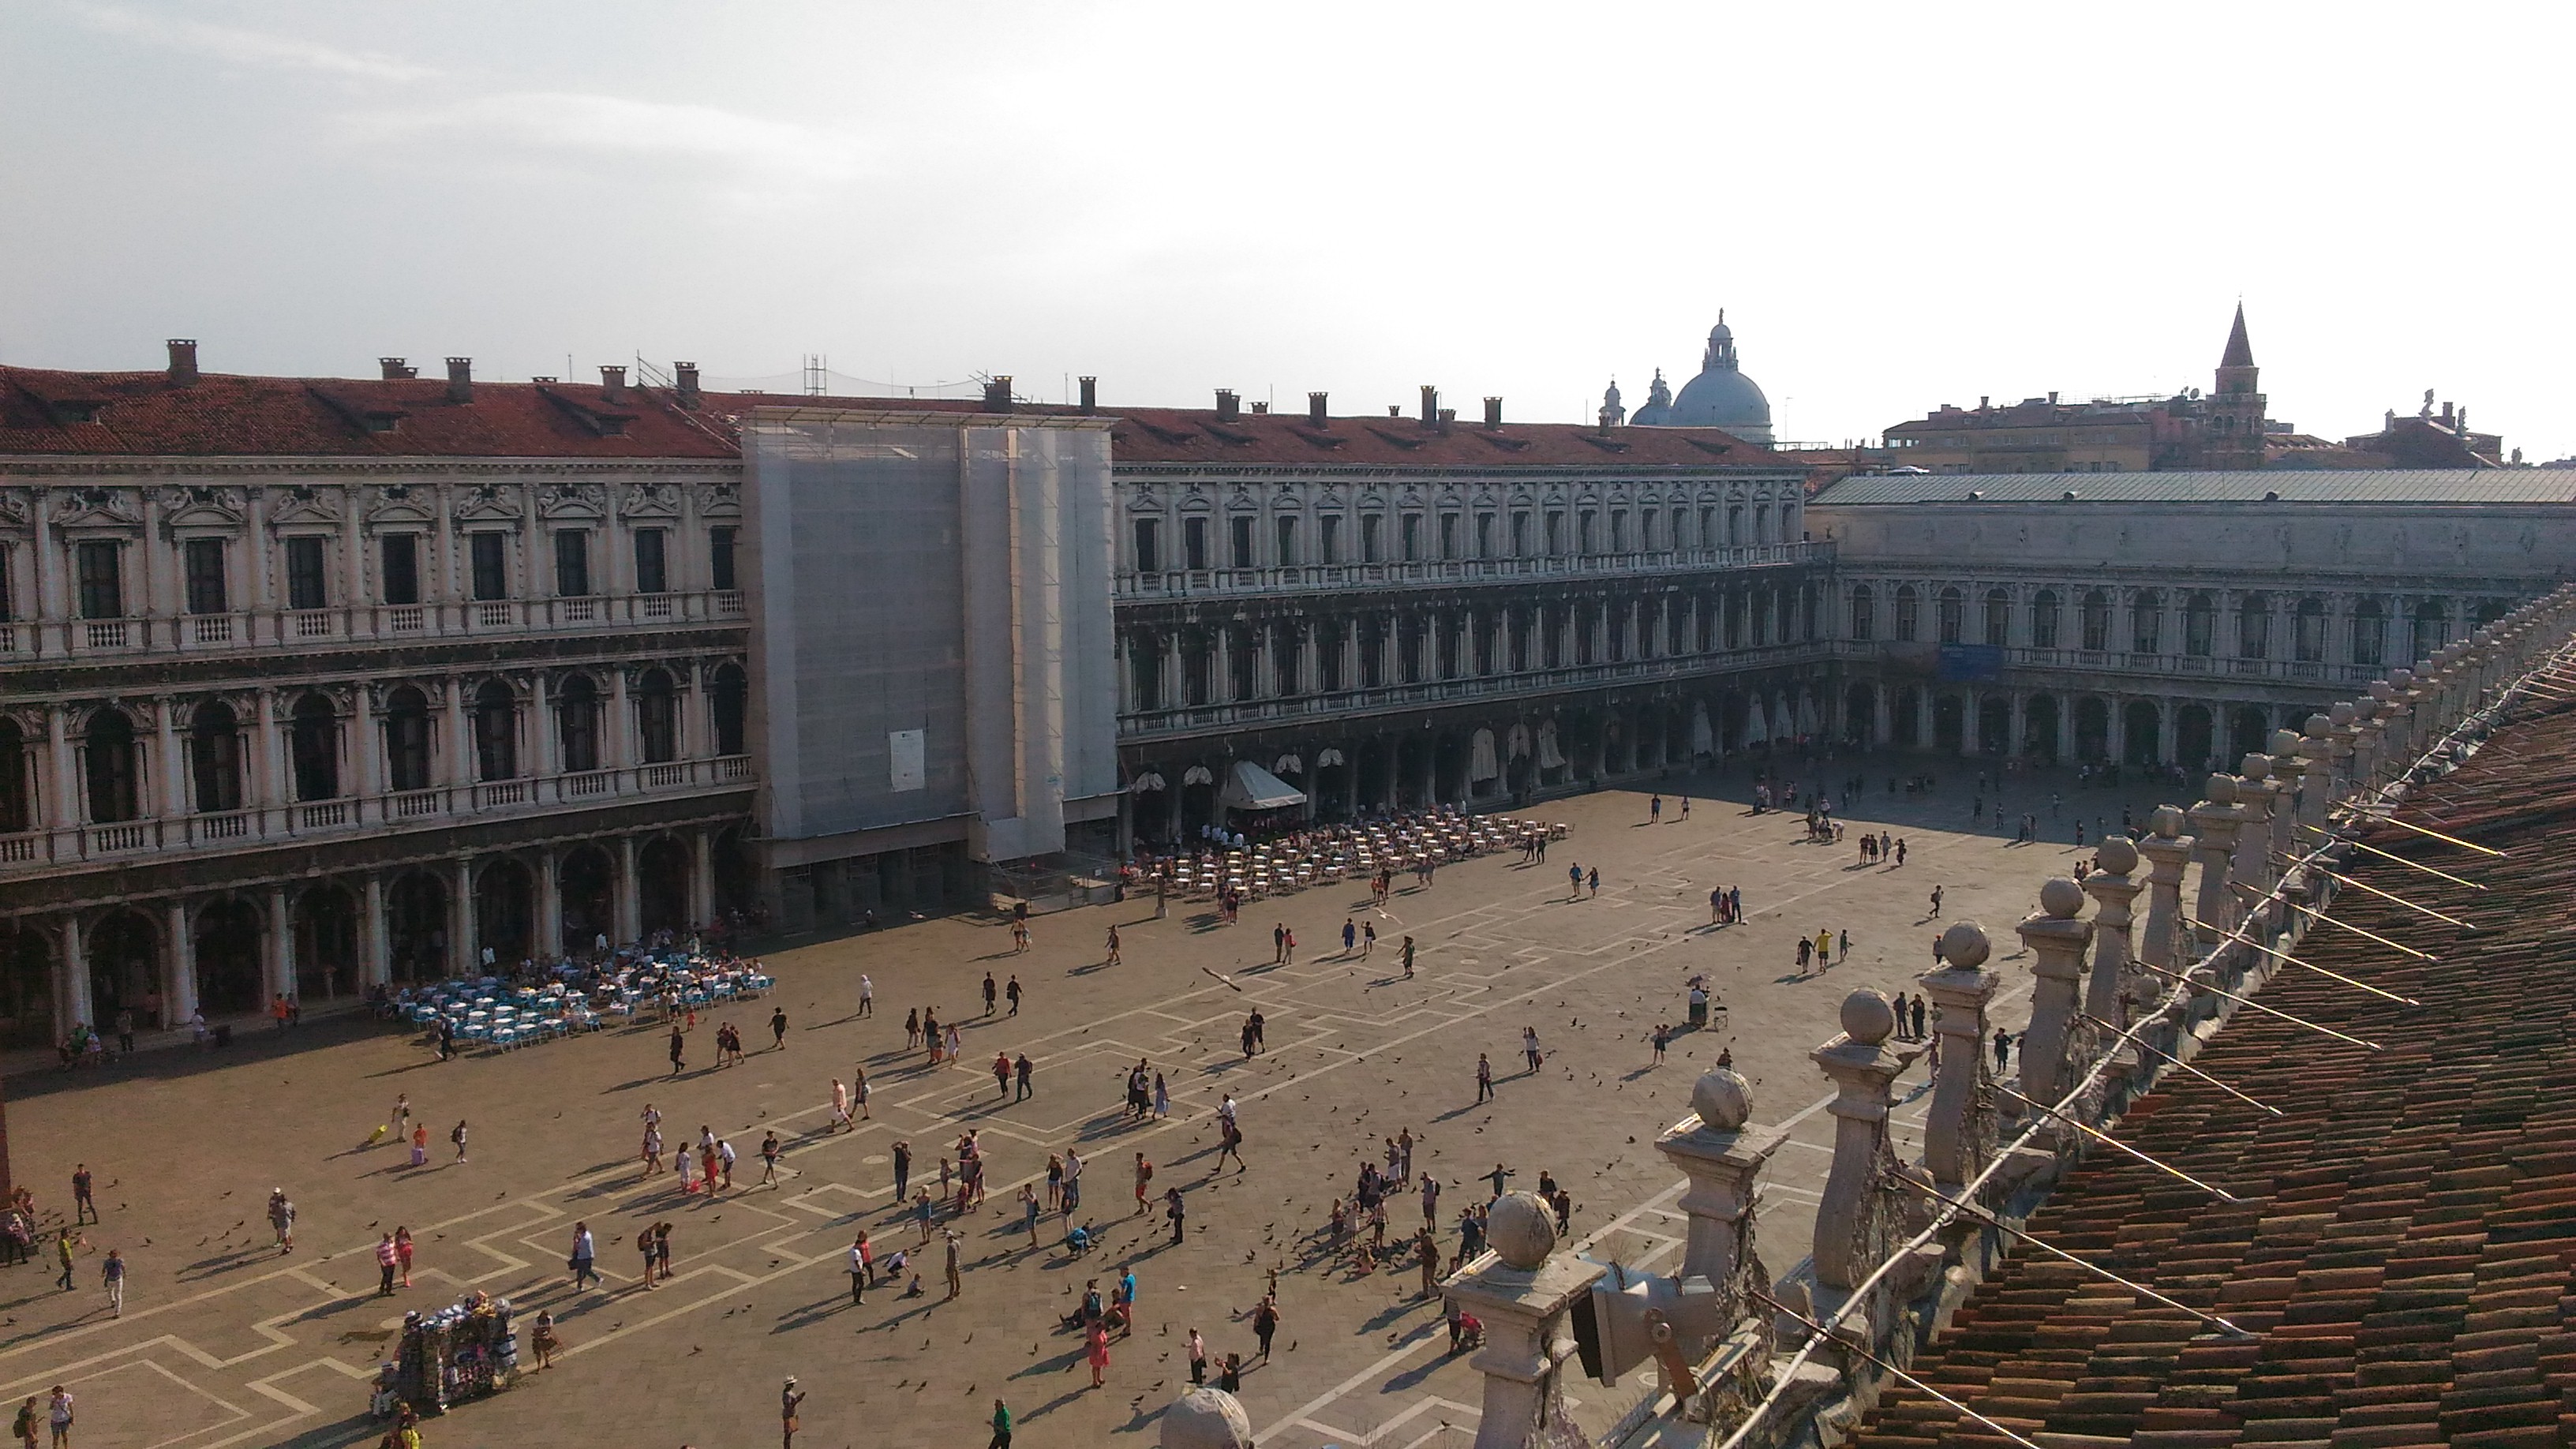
(1722,396)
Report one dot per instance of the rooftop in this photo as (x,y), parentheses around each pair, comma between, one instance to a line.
(2403,1259)
(46,412)
(2319,485)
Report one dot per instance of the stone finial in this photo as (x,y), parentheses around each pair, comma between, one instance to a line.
(2059,897)
(1723,1100)
(2056,940)
(1205,1419)
(2168,853)
(1868,1017)
(1965,945)
(2117,855)
(2166,821)
(2222,789)
(2316,726)
(1521,1229)
(2113,889)
(2342,712)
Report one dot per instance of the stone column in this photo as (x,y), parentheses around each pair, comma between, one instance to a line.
(1721,1157)
(550,942)
(545,729)
(1882,726)
(2115,735)
(2065,728)
(1971,708)
(364,752)
(460,738)
(281,945)
(174,769)
(73,1001)
(1849,1232)
(630,900)
(697,713)
(1957,1137)
(2016,728)
(180,995)
(619,727)
(378,941)
(67,810)
(270,777)
(464,949)
(2168,749)
(1522,1297)
(2112,889)
(2056,940)
(2214,822)
(2168,851)
(702,870)
(1923,719)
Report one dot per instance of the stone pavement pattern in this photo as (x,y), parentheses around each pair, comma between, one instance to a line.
(226,1341)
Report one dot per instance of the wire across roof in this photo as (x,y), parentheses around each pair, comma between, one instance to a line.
(2398,486)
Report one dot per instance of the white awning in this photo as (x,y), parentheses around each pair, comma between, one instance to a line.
(1250,787)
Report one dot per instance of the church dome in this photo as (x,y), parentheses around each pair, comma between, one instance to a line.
(1657,412)
(1721,396)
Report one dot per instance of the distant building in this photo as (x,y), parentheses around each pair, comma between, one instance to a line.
(2431,440)
(2220,431)
(1721,396)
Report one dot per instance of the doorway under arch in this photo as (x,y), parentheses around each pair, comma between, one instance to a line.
(2092,729)
(732,869)
(505,912)
(124,966)
(416,928)
(326,944)
(2144,728)
(26,987)
(2193,736)
(662,884)
(2039,727)
(587,879)
(229,980)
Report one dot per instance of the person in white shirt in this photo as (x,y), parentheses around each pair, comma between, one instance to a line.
(858,1272)
(867,995)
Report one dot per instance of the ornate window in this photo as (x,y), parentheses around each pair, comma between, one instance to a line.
(2043,619)
(1907,608)
(496,731)
(1953,609)
(214,757)
(1864,623)
(314,741)
(407,739)
(657,717)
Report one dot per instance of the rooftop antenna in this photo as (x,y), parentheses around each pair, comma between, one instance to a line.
(818,374)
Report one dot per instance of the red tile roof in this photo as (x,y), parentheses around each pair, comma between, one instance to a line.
(2405,1257)
(145,413)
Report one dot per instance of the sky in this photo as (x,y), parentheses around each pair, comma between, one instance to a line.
(1897,206)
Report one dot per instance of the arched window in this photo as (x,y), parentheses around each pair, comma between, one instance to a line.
(1144,667)
(314,740)
(1907,609)
(1864,620)
(577,724)
(108,759)
(2096,621)
(407,739)
(2309,646)
(727,697)
(2369,633)
(496,732)
(1998,616)
(2147,623)
(2043,619)
(214,757)
(14,812)
(1951,609)
(2254,627)
(2432,628)
(2199,624)
(657,717)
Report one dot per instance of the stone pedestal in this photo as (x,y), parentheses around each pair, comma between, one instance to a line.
(1720,1156)
(2056,940)
(2112,888)
(2214,823)
(1522,1300)
(1851,1236)
(1958,1130)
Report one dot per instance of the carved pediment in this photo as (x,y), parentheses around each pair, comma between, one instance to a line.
(721,501)
(14,512)
(305,505)
(572,500)
(401,503)
(96,507)
(489,503)
(648,500)
(203,507)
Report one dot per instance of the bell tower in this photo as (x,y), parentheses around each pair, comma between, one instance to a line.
(2233,436)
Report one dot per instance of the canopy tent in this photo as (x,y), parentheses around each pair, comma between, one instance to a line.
(1703,738)
(1250,787)
(1756,731)
(1807,713)
(1549,756)
(1481,765)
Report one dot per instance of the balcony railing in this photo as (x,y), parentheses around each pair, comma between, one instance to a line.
(244,631)
(2296,671)
(1182,583)
(407,809)
(1382,699)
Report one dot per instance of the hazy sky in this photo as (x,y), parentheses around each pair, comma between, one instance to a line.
(1898,206)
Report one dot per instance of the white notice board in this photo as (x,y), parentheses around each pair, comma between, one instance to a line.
(904,759)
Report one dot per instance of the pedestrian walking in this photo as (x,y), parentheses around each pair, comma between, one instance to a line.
(1144,1179)
(403,1252)
(1529,1048)
(456,1135)
(281,1220)
(1484,1077)
(1368,938)
(1001,1426)
(991,993)
(420,1144)
(1655,810)
(912,1029)
(859,1270)
(1431,1199)
(1095,1349)
(956,1282)
(112,1277)
(1278,943)
(2003,1048)
(584,1261)
(644,1246)
(1162,1098)
(867,995)
(902,1152)
(778,1029)
(1350,935)
(1022,1069)
(840,1107)
(679,1048)
(1592,879)
(1574,880)
(1936,901)
(1177,1211)
(1002,1073)
(1918,1018)
(1265,1322)
(1198,1361)
(1663,1038)
(1288,950)
(790,1399)
(1408,958)
(84,1206)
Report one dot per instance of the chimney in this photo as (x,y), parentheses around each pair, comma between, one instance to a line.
(2052,399)
(1395,410)
(1493,412)
(1228,407)
(1090,395)
(997,395)
(1447,417)
(685,382)
(1430,405)
(612,381)
(192,373)
(183,362)
(460,379)
(1984,400)
(1261,409)
(396,369)
(1316,413)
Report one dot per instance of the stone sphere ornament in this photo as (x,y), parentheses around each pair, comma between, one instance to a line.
(1966,946)
(2117,855)
(1205,1419)
(1723,1100)
(1521,1229)
(2061,898)
(1867,1017)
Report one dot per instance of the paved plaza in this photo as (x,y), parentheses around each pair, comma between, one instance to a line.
(226,1341)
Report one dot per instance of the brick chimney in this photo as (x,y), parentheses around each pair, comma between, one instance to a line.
(183,362)
(1430,405)
(1316,412)
(1228,406)
(397,369)
(1090,395)
(612,383)
(460,379)
(997,395)
(685,382)
(1493,412)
